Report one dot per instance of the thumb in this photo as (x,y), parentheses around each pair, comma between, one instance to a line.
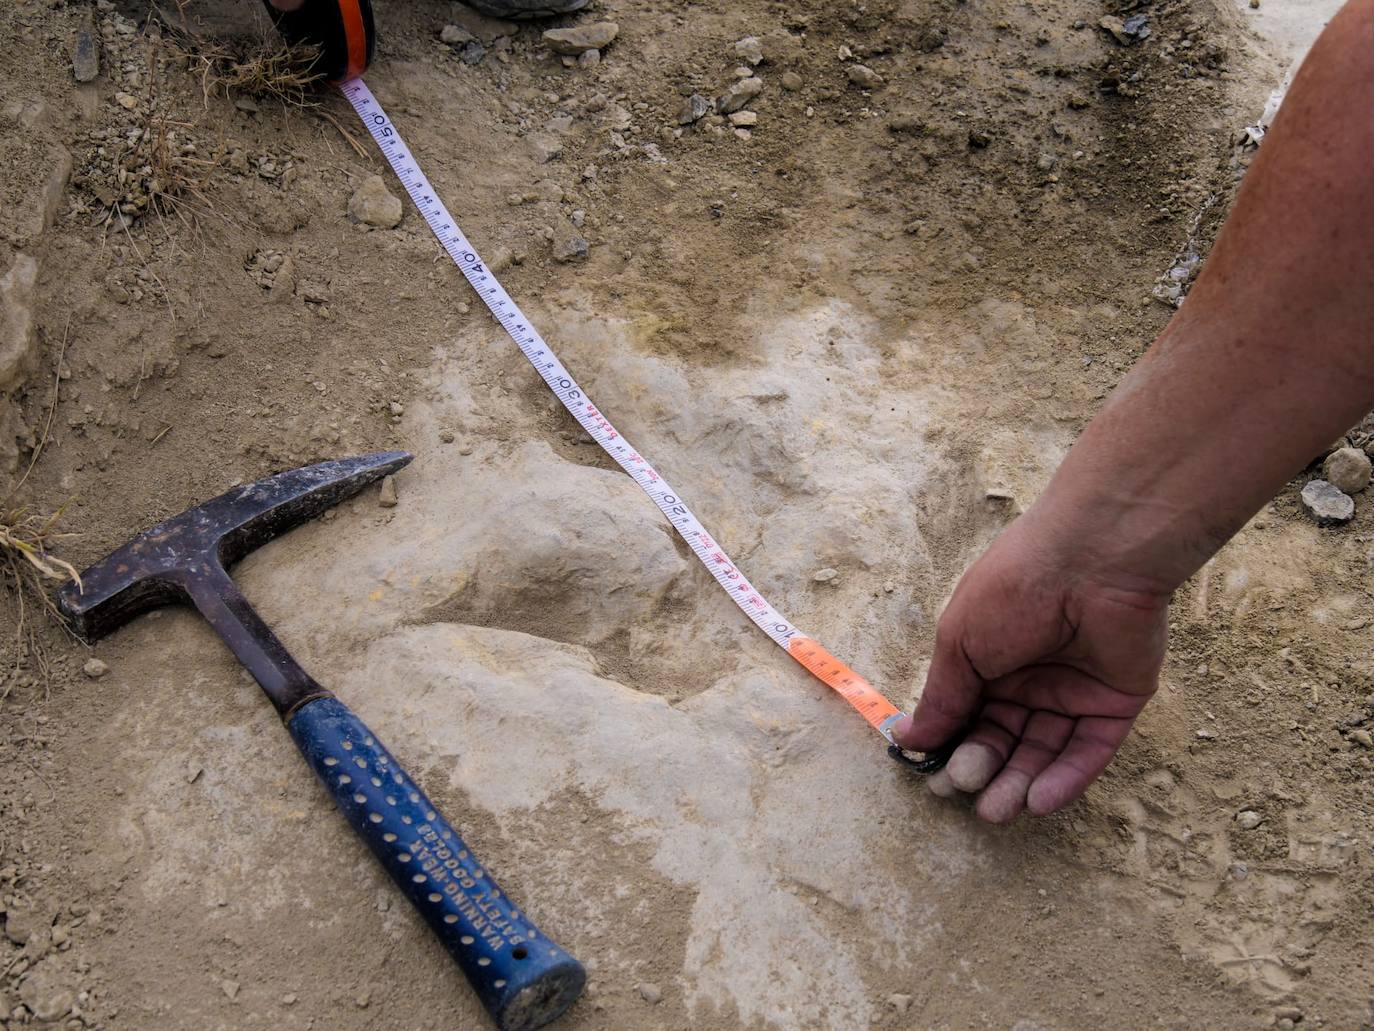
(952,696)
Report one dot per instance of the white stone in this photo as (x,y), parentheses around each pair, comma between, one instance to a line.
(749,50)
(372,203)
(1347,469)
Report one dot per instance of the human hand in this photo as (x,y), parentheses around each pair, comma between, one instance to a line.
(1049,666)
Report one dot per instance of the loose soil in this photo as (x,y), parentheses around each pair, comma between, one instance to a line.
(891,311)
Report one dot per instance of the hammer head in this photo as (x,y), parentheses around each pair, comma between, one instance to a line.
(154,568)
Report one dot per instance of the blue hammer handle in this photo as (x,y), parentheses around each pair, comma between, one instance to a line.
(522,977)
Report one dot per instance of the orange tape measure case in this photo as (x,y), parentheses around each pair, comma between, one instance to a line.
(342,29)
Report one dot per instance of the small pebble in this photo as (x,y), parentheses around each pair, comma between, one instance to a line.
(864,77)
(446,436)
(456,35)
(1348,469)
(693,109)
(825,576)
(387,497)
(650,992)
(230,988)
(570,247)
(95,668)
(579,38)
(1362,737)
(1327,503)
(744,119)
(1248,819)
(739,95)
(374,205)
(899,1002)
(749,50)
(791,82)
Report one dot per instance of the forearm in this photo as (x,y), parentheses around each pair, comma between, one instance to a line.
(1270,358)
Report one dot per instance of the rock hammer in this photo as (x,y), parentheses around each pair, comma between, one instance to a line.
(522,977)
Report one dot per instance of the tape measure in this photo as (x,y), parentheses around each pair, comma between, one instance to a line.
(829,670)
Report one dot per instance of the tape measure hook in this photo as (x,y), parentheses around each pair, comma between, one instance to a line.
(928,762)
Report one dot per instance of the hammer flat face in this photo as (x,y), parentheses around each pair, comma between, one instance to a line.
(166,563)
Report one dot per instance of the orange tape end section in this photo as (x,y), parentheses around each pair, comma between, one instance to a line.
(356,33)
(833,673)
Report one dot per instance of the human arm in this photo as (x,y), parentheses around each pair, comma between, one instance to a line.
(1053,641)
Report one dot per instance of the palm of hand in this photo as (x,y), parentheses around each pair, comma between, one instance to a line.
(1048,671)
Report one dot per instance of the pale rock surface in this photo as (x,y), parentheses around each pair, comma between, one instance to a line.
(18,325)
(372,203)
(576,39)
(527,634)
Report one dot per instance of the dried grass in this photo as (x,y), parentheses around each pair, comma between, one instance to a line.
(27,563)
(267,70)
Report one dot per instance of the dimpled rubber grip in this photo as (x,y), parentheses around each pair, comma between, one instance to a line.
(522,978)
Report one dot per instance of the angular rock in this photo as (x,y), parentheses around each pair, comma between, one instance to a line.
(386,496)
(1126,32)
(576,39)
(1248,819)
(456,36)
(1348,469)
(373,204)
(570,247)
(588,59)
(749,50)
(85,49)
(865,77)
(1327,503)
(18,323)
(693,109)
(739,94)
(744,119)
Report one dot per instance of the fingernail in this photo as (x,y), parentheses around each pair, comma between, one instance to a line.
(972,765)
(902,728)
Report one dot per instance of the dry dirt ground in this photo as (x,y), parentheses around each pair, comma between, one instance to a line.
(859,339)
